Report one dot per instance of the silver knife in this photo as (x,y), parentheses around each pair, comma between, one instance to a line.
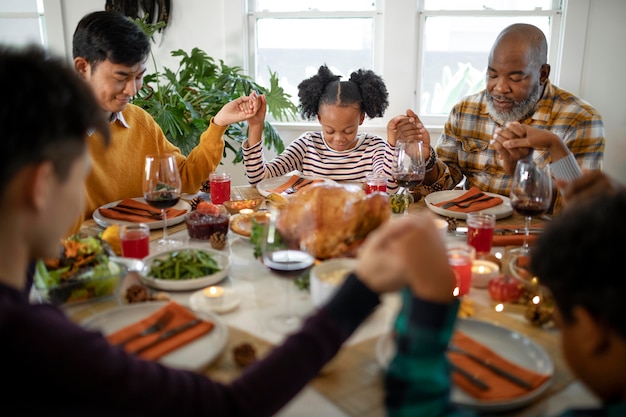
(462,230)
(472,378)
(167,335)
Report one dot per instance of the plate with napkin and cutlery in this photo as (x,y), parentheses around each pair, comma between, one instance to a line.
(289,184)
(493,369)
(457,203)
(163,331)
(136,210)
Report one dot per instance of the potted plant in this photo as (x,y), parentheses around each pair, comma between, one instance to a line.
(183,101)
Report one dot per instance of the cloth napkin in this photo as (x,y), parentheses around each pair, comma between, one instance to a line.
(136,213)
(281,188)
(512,240)
(180,316)
(500,388)
(474,207)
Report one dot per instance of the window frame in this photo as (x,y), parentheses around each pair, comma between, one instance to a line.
(400,22)
(252,16)
(554,45)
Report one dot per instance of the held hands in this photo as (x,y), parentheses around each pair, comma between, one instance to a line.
(407,251)
(515,141)
(407,126)
(243,108)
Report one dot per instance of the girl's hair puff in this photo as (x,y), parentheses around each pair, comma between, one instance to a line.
(364,88)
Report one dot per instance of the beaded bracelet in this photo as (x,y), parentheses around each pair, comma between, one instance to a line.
(431,161)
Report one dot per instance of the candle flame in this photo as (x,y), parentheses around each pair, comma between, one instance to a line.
(499,307)
(536,299)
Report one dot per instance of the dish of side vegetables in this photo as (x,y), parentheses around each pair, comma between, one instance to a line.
(184,269)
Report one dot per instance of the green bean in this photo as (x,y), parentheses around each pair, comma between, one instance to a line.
(184,264)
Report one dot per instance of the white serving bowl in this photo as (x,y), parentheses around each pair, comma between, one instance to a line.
(327,277)
(222,260)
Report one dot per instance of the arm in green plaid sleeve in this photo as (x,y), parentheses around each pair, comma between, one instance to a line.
(417,382)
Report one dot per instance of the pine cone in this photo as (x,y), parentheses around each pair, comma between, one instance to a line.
(452,224)
(539,314)
(206,186)
(218,241)
(244,354)
(195,201)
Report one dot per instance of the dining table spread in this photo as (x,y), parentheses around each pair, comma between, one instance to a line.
(352,383)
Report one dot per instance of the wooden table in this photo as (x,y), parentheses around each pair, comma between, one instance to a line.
(350,385)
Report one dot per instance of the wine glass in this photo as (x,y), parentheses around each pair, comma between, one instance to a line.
(287,263)
(408,166)
(531,193)
(161,189)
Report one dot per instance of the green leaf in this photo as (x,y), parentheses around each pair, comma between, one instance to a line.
(182,101)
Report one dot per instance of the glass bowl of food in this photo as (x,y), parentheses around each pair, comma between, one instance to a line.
(83,271)
(235,206)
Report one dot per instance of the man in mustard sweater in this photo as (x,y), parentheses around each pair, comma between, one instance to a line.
(110,53)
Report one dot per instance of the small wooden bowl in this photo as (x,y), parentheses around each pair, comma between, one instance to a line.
(235,206)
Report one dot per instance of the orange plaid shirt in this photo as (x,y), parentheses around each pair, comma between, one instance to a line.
(463,148)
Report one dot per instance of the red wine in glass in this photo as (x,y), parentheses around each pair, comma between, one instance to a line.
(529,208)
(409,181)
(162,199)
(161,189)
(531,193)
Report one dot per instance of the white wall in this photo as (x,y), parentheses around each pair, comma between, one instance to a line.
(218,30)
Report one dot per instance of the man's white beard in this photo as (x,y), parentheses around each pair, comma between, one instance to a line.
(520,109)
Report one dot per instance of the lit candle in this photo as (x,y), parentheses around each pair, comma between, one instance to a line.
(214,294)
(246,211)
(483,271)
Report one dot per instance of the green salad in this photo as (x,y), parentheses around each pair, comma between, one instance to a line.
(82,271)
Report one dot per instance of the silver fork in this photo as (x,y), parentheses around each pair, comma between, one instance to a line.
(293,188)
(155,327)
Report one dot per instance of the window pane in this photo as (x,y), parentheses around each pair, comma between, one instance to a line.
(299,55)
(21,32)
(14,6)
(454,56)
(488,4)
(319,5)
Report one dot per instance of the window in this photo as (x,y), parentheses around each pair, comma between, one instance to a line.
(294,38)
(456,38)
(430,52)
(39,22)
(22,23)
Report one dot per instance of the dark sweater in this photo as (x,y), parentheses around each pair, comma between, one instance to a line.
(60,368)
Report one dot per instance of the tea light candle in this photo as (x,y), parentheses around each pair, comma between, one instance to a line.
(482,272)
(214,294)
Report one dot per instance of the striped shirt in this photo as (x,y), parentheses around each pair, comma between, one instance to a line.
(310,155)
(463,147)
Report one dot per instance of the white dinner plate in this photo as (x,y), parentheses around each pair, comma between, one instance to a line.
(194,356)
(512,346)
(267,185)
(107,221)
(244,221)
(222,260)
(501,210)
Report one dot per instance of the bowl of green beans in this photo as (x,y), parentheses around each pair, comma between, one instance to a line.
(183,269)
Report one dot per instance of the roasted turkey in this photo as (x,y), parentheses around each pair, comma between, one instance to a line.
(331,220)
